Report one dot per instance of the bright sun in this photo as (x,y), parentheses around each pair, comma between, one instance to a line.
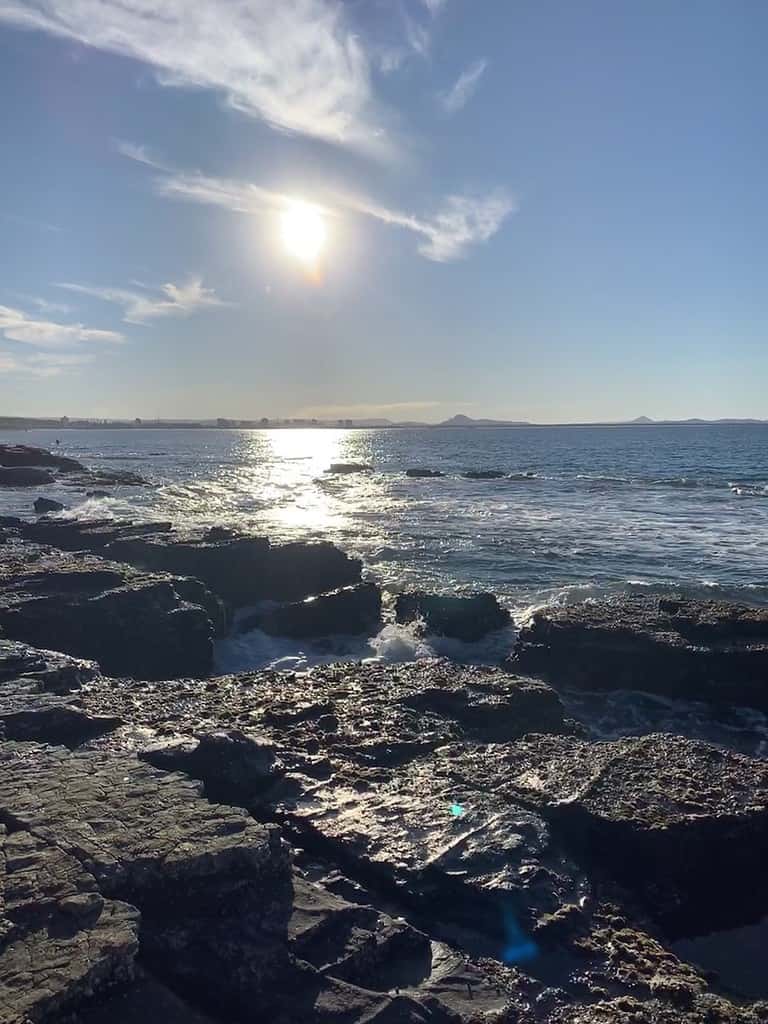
(303,232)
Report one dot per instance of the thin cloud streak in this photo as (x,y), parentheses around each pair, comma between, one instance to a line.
(15,325)
(295,64)
(169,300)
(463,89)
(459,223)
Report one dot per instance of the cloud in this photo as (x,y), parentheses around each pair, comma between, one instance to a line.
(18,326)
(296,64)
(366,410)
(460,222)
(167,300)
(462,90)
(434,6)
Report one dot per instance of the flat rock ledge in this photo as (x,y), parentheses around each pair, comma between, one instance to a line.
(702,650)
(364,844)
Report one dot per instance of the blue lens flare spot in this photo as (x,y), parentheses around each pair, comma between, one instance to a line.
(519,948)
(457,811)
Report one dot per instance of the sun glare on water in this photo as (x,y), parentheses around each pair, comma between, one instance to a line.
(304,234)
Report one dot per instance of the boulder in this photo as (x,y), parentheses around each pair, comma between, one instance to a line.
(464,618)
(703,650)
(23,476)
(130,622)
(483,474)
(26,455)
(43,505)
(682,822)
(425,473)
(349,610)
(344,468)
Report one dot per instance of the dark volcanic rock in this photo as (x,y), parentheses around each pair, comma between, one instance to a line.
(238,568)
(60,940)
(469,856)
(684,822)
(483,474)
(465,618)
(425,473)
(373,714)
(48,670)
(26,455)
(207,879)
(349,467)
(43,505)
(676,647)
(352,610)
(22,476)
(108,478)
(131,622)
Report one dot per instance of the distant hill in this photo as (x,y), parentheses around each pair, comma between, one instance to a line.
(466,421)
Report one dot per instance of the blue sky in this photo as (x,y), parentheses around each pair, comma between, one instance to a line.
(538,210)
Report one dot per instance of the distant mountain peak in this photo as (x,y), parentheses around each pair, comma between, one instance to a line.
(642,419)
(460,420)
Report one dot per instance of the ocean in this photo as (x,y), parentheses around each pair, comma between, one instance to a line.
(581,511)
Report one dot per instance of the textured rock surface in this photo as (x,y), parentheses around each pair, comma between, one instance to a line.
(60,940)
(352,610)
(207,879)
(469,855)
(465,618)
(370,714)
(699,649)
(131,622)
(684,821)
(238,568)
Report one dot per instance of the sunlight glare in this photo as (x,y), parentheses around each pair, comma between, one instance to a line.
(303,232)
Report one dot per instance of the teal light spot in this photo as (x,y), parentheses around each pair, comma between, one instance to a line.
(457,810)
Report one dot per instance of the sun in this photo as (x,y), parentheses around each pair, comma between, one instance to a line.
(303,232)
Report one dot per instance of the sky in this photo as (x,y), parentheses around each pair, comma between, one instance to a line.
(524,209)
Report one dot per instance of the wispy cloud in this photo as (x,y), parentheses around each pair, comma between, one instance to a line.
(16,325)
(369,410)
(167,300)
(460,222)
(42,364)
(296,64)
(462,90)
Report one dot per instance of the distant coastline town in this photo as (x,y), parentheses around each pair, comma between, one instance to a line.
(264,423)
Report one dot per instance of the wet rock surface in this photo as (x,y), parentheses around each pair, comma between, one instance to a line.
(427,474)
(24,476)
(27,455)
(130,622)
(684,822)
(704,650)
(349,610)
(45,505)
(464,618)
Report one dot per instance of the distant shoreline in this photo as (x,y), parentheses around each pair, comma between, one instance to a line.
(50,424)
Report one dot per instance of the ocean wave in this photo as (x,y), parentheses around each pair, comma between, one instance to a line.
(395,643)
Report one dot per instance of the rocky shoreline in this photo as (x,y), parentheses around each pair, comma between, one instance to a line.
(364,843)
